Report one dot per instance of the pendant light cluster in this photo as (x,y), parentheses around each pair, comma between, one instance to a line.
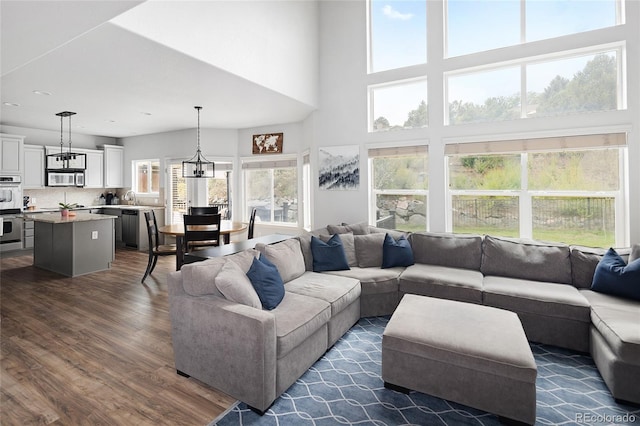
(198,166)
(66,159)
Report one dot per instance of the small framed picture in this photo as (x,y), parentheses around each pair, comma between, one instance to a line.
(268,143)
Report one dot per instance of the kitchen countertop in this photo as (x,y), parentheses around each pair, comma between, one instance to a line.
(101,206)
(58,218)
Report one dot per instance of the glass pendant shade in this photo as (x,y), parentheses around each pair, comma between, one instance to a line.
(198,166)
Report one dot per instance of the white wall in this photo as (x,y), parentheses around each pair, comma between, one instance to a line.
(272,43)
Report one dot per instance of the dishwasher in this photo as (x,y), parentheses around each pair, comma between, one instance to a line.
(130,228)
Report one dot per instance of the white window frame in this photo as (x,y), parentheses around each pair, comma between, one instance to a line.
(274,162)
(134,176)
(396,83)
(526,195)
(373,192)
(618,47)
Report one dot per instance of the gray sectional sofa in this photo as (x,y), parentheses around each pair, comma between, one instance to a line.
(222,338)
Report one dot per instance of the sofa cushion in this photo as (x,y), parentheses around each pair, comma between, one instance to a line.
(617,321)
(635,253)
(286,256)
(613,276)
(443,282)
(526,259)
(328,256)
(199,278)
(373,280)
(267,282)
(584,261)
(396,253)
(338,291)
(393,232)
(244,259)
(355,228)
(233,283)
(538,298)
(348,245)
(445,249)
(298,317)
(369,250)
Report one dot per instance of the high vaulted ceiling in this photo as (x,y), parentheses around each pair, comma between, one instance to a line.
(131,68)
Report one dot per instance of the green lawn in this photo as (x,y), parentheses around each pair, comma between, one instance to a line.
(567,236)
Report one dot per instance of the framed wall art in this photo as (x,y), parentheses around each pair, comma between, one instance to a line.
(267,143)
(339,167)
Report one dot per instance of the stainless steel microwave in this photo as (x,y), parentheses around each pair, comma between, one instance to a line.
(67,178)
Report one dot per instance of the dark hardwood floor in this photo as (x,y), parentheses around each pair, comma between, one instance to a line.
(94,350)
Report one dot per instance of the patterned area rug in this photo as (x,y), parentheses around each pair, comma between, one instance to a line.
(345,387)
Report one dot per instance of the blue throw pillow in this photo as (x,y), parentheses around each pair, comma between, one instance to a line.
(265,278)
(396,253)
(328,256)
(613,276)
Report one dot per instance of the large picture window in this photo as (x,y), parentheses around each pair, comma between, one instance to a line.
(572,84)
(271,187)
(399,187)
(511,22)
(556,189)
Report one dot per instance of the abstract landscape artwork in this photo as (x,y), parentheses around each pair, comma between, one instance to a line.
(339,167)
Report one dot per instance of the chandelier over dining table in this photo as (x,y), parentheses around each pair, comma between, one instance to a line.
(198,166)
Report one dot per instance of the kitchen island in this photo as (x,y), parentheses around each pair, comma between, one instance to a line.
(73,245)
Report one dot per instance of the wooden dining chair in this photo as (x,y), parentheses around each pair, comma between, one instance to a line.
(155,248)
(252,223)
(203,210)
(201,231)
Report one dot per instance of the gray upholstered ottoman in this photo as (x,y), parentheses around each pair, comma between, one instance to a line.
(471,354)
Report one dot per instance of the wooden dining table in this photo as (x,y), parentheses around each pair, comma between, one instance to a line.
(227,227)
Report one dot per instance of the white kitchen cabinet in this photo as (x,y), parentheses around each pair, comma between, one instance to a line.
(113,166)
(11,161)
(33,167)
(94,174)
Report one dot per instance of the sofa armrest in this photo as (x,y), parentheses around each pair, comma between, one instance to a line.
(229,346)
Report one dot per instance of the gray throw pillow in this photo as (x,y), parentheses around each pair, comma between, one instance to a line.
(244,259)
(369,250)
(233,283)
(356,228)
(286,256)
(199,278)
(635,253)
(305,247)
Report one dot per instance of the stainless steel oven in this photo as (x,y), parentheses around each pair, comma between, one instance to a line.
(11,220)
(12,233)
(10,193)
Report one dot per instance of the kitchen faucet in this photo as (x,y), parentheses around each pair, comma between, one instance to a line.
(129,195)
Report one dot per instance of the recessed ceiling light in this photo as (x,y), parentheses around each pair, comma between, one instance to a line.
(11,104)
(42,92)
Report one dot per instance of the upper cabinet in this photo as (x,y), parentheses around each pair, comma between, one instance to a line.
(34,165)
(11,154)
(94,174)
(113,166)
